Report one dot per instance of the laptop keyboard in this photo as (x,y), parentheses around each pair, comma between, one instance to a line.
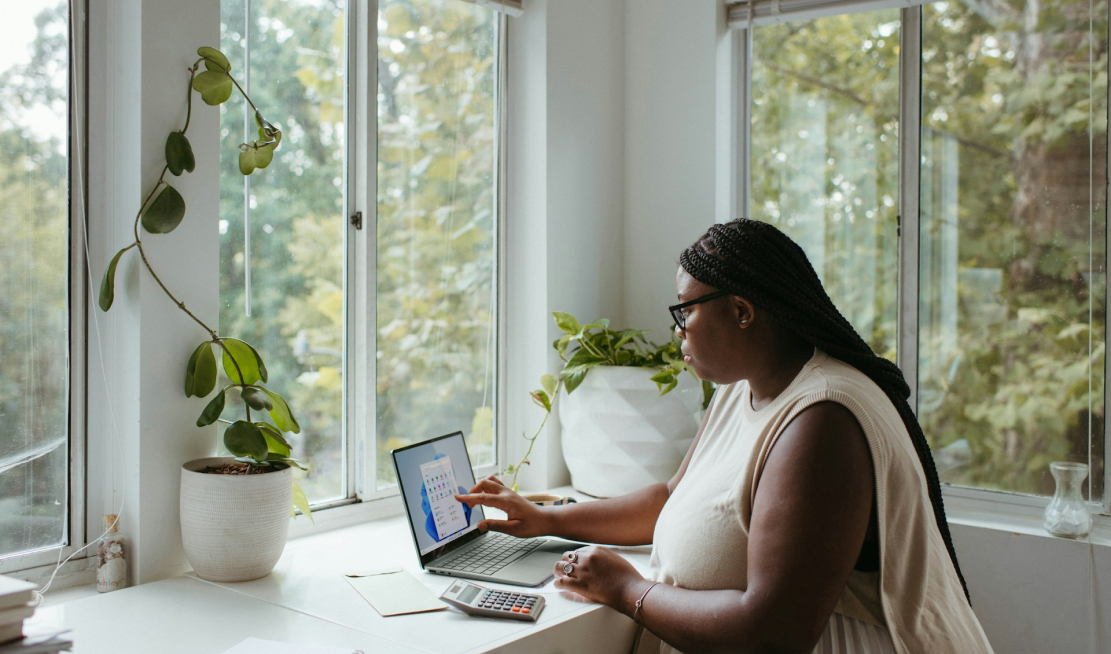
(494,553)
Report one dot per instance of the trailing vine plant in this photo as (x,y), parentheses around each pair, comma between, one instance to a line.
(260,444)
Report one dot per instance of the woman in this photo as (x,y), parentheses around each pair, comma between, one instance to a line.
(807,515)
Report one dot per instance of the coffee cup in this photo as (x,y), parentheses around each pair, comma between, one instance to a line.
(546,499)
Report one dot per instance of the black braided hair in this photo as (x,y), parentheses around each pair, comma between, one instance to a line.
(756,260)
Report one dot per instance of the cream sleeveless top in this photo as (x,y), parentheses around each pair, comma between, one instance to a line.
(913,605)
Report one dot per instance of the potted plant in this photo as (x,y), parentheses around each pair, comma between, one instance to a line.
(235,511)
(618,432)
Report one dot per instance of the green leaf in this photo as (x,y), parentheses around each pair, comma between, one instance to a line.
(273,432)
(108,284)
(572,380)
(254,156)
(164,214)
(301,502)
(541,399)
(280,414)
(566,322)
(256,399)
(215,86)
(549,384)
(212,412)
(271,459)
(250,363)
(276,448)
(243,438)
(200,373)
(214,59)
(179,154)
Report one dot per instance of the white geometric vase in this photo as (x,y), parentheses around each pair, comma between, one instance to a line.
(234,527)
(620,435)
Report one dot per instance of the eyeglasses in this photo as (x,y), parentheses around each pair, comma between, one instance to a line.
(678,313)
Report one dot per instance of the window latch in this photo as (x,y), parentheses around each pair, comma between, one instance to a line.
(357,219)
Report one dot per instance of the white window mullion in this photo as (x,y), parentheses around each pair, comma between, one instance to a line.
(364,247)
(910,133)
(1107,307)
(742,42)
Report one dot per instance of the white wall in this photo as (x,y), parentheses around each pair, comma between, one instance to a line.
(137,83)
(671,68)
(566,198)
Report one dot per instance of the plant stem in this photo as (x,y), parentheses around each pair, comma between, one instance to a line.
(532,440)
(189,95)
(243,93)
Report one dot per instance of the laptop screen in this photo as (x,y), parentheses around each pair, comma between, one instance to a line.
(430,474)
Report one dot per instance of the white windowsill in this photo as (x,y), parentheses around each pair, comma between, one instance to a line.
(308,600)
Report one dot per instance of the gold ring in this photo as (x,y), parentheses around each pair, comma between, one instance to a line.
(572,557)
(568,568)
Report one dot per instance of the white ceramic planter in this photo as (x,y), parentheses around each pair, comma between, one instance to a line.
(620,435)
(234,527)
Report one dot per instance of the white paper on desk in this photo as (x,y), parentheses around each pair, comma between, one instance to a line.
(396,593)
(260,646)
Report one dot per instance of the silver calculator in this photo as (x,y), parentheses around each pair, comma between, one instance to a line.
(477,600)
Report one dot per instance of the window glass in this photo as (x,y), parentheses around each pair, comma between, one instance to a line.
(825,159)
(34,276)
(289,221)
(437,225)
(1013,240)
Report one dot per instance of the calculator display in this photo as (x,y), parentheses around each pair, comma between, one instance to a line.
(469,594)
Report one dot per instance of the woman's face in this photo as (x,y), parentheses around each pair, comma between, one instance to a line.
(712,339)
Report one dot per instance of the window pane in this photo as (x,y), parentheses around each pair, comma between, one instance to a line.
(825,112)
(297,219)
(437,225)
(1013,240)
(34,276)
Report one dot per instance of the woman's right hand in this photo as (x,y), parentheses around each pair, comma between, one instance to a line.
(523,518)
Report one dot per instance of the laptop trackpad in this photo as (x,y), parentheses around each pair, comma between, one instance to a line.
(540,563)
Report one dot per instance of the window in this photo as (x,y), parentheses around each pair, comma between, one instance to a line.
(825,156)
(38,501)
(1012,242)
(283,231)
(287,239)
(1007,203)
(437,226)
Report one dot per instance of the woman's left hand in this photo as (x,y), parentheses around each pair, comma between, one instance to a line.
(599,574)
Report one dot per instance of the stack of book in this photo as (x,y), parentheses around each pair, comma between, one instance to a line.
(15,607)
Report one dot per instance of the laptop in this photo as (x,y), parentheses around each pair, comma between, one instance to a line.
(445,531)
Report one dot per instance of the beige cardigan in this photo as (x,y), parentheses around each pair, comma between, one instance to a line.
(701,536)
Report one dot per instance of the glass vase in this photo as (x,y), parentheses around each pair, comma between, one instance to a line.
(1067,515)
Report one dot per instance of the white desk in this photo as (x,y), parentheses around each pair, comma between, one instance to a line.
(307,600)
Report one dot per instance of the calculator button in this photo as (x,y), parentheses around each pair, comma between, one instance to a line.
(516,609)
(525,610)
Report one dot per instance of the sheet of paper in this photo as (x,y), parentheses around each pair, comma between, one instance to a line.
(260,646)
(396,593)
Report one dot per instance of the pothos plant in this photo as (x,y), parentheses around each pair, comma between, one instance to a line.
(595,344)
(259,444)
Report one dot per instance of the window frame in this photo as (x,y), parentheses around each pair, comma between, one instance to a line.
(962,498)
(37,565)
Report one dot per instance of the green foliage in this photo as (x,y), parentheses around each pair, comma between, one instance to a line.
(165,213)
(1012,228)
(179,154)
(108,282)
(200,372)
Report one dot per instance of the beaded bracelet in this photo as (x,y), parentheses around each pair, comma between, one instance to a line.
(640,601)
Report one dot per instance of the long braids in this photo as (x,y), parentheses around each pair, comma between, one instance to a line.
(756,260)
